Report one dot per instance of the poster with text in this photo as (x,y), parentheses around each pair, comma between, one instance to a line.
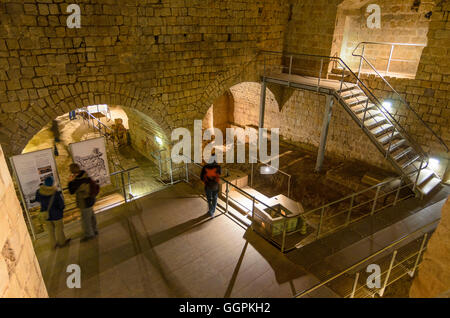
(91,156)
(31,170)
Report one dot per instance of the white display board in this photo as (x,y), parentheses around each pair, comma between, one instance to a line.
(91,156)
(98,109)
(31,169)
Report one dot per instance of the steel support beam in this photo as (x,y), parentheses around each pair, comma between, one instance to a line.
(324,133)
(262,103)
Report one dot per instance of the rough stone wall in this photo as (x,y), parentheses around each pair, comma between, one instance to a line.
(20,274)
(168,59)
(435,62)
(311,26)
(300,121)
(430,99)
(220,114)
(143,131)
(433,276)
(400,23)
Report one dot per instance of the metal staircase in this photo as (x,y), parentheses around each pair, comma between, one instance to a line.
(305,71)
(406,156)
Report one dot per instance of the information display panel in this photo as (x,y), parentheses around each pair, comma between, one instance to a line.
(31,170)
(91,156)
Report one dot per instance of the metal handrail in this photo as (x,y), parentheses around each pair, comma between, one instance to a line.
(277,170)
(379,185)
(392,88)
(242,191)
(377,103)
(100,131)
(396,242)
(96,119)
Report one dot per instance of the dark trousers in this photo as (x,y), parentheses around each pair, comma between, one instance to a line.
(211,197)
(72,115)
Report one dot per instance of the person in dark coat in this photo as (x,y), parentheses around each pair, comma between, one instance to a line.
(52,209)
(210,176)
(80,186)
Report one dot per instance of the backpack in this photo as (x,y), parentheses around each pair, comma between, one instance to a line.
(212,179)
(94,188)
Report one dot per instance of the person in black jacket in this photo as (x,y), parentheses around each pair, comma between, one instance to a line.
(210,176)
(52,208)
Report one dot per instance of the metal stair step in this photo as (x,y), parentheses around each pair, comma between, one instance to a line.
(381,129)
(351,93)
(429,185)
(347,88)
(356,100)
(374,121)
(425,174)
(402,153)
(361,107)
(384,139)
(409,161)
(394,145)
(369,114)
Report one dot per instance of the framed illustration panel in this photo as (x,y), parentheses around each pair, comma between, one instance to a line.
(91,156)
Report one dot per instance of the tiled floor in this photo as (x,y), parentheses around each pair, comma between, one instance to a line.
(164,245)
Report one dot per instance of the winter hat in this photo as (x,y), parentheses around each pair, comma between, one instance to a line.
(48,181)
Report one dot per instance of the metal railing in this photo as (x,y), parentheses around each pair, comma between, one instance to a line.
(252,216)
(121,183)
(260,164)
(398,259)
(324,220)
(339,214)
(104,131)
(169,173)
(394,95)
(313,66)
(390,59)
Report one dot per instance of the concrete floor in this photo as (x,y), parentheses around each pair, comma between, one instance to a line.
(164,245)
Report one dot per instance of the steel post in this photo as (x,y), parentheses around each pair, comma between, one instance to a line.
(418,255)
(124,191)
(381,292)
(324,133)
(375,200)
(361,60)
(355,284)
(322,212)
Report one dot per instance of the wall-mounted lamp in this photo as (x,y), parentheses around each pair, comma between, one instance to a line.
(158,140)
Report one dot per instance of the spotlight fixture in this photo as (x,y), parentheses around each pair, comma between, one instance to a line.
(434,163)
(387,105)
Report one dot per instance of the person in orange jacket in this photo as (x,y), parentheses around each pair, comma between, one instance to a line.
(210,176)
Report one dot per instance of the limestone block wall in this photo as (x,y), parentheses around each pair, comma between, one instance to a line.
(435,62)
(143,130)
(168,59)
(433,276)
(401,22)
(300,121)
(20,274)
(429,99)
